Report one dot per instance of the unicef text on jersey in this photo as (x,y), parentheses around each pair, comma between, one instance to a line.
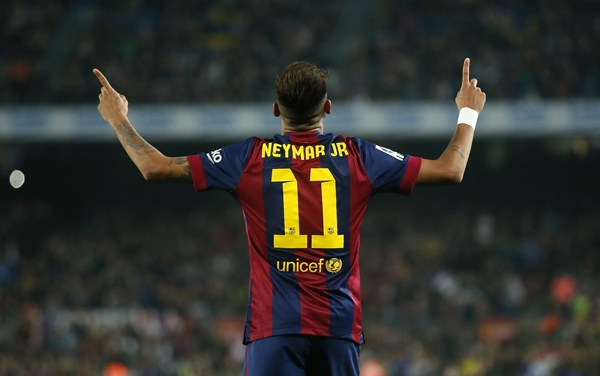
(333,265)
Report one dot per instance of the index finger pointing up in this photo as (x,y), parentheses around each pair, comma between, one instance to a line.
(103,79)
(465,74)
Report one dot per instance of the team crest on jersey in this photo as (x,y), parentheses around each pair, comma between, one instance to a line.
(390,152)
(333,265)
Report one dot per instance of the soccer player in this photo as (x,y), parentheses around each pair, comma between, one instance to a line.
(303,195)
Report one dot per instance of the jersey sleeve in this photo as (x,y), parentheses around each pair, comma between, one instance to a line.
(220,168)
(388,170)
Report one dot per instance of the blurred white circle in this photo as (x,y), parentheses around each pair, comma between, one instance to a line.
(17,178)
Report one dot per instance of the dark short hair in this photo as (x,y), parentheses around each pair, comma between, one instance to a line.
(301,91)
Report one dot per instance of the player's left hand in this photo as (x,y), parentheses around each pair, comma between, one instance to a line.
(113,106)
(469,95)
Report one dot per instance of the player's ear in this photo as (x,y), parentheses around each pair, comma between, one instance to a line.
(276,111)
(327,107)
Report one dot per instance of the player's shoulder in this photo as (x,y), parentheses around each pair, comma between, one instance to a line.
(369,148)
(238,150)
(333,137)
(352,141)
(347,139)
(255,144)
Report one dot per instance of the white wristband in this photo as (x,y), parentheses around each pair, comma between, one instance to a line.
(468,116)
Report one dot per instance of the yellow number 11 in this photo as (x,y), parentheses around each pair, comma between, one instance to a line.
(291,212)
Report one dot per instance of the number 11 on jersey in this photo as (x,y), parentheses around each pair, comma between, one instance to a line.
(291,212)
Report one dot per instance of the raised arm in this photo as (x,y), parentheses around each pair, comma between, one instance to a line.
(450,167)
(152,163)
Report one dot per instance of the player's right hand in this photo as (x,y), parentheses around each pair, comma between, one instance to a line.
(469,94)
(113,106)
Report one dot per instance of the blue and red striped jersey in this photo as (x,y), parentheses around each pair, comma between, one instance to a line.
(303,197)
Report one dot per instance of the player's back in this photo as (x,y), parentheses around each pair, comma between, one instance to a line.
(305,223)
(303,196)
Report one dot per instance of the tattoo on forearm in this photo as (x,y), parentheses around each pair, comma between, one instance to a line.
(457,150)
(178,160)
(129,137)
(186,177)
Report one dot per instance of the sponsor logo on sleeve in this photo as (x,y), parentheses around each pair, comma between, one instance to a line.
(214,156)
(390,152)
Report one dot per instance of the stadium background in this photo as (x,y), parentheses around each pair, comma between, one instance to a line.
(496,276)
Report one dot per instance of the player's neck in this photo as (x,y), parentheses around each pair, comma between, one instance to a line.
(317,126)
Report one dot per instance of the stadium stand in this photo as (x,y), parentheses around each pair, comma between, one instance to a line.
(102,273)
(224,51)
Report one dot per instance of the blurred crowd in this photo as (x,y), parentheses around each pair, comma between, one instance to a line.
(230,50)
(163,292)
